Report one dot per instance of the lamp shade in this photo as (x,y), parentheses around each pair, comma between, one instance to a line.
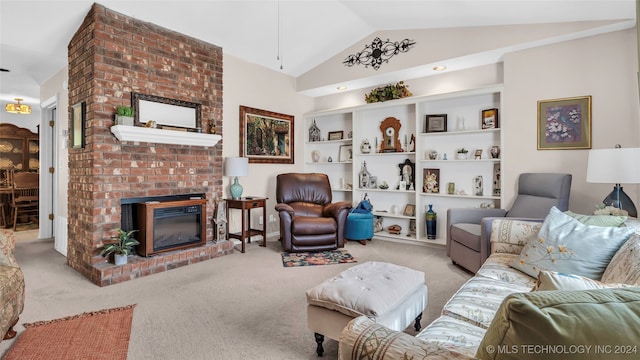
(236,166)
(614,166)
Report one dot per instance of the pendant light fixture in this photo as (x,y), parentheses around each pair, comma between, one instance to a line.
(18,108)
(279,57)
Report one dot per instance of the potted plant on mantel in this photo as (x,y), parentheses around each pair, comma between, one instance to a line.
(124,115)
(121,248)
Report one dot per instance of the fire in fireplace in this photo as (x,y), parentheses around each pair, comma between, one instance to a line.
(170,225)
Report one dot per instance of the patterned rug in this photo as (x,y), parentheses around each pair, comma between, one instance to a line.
(100,334)
(316,258)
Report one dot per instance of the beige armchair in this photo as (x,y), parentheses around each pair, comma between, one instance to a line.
(11,285)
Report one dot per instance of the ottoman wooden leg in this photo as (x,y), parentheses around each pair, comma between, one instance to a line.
(417,325)
(319,340)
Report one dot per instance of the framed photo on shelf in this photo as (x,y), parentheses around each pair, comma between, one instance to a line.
(409,210)
(435,123)
(266,136)
(431,181)
(478,154)
(490,119)
(336,135)
(345,153)
(564,124)
(373,182)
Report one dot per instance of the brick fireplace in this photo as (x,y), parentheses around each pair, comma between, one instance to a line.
(110,57)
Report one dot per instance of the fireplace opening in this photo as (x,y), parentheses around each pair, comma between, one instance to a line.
(168,225)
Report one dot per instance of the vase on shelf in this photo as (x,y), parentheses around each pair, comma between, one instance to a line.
(431,218)
(315,155)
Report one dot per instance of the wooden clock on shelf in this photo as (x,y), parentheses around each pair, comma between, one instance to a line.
(390,128)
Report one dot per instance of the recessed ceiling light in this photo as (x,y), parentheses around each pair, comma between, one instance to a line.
(341,87)
(439,68)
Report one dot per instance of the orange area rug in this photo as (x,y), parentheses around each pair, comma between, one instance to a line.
(95,335)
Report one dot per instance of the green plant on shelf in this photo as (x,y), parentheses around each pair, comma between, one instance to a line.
(389,92)
(462,151)
(124,111)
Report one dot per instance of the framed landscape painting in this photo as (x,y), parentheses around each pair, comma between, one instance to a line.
(564,123)
(266,136)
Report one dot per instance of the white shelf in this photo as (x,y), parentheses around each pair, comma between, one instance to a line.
(462,108)
(329,142)
(160,136)
(404,153)
(391,215)
(461,132)
(461,161)
(329,163)
(486,197)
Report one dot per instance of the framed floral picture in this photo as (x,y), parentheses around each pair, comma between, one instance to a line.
(564,123)
(266,136)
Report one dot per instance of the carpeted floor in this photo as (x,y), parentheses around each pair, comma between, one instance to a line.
(97,335)
(239,306)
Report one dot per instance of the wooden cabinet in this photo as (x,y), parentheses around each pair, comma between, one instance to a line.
(19,150)
(400,141)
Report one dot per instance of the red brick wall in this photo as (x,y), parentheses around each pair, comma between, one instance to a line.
(111,56)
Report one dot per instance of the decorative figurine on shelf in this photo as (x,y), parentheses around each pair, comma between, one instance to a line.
(444,156)
(220,221)
(314,132)
(431,218)
(365,147)
(330,159)
(413,143)
(477,186)
(364,176)
(433,155)
(390,128)
(495,152)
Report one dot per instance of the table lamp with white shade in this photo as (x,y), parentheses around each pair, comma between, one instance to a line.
(236,166)
(615,166)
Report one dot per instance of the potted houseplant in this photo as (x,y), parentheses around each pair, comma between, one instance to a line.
(461,154)
(121,247)
(124,115)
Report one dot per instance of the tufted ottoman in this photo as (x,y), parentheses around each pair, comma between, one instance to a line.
(388,294)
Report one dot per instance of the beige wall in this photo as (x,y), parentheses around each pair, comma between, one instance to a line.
(602,66)
(254,86)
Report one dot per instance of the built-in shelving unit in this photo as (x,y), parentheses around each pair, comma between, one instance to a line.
(393,206)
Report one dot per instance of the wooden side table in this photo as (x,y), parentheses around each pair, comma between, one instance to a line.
(248,203)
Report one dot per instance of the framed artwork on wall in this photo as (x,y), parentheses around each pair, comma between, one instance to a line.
(266,136)
(431,182)
(564,123)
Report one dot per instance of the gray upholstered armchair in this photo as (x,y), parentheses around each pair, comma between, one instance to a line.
(468,229)
(309,221)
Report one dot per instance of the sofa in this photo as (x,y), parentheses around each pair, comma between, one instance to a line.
(11,285)
(564,288)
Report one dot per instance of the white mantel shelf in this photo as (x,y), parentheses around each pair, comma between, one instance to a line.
(159,136)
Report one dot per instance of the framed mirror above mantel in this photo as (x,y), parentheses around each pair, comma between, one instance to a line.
(166,113)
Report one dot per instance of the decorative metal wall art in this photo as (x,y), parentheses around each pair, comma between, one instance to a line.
(378,52)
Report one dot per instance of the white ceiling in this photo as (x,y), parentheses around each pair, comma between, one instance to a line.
(34,34)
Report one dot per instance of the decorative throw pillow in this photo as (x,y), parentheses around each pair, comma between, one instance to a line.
(598,220)
(625,264)
(510,236)
(553,280)
(561,320)
(566,245)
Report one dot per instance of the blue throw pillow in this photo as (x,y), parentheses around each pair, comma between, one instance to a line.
(566,245)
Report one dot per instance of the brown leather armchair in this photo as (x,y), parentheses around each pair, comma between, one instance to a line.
(309,221)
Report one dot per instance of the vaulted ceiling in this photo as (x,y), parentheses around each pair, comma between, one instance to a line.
(288,36)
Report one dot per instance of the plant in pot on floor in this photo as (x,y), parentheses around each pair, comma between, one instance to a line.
(121,248)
